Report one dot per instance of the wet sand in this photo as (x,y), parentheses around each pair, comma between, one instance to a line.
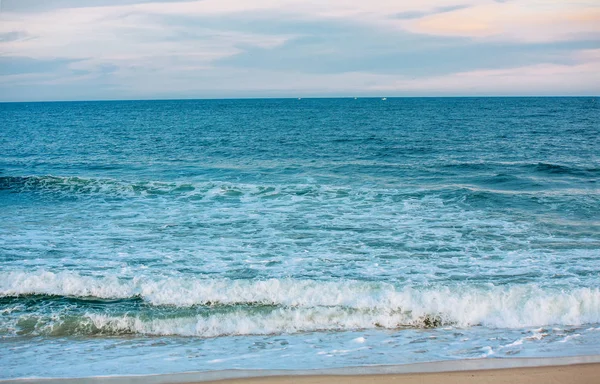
(571,374)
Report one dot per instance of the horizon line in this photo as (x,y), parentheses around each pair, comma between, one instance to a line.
(296,98)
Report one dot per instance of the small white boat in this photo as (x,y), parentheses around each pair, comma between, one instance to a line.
(384,99)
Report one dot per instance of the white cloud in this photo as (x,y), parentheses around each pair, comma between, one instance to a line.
(526,21)
(581,77)
(120,33)
(140,28)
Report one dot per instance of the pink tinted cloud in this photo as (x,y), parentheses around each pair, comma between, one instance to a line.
(527,21)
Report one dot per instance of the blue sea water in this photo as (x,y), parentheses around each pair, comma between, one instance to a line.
(142,237)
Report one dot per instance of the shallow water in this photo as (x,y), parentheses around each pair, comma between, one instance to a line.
(167,236)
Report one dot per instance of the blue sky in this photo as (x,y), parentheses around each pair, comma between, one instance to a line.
(144,49)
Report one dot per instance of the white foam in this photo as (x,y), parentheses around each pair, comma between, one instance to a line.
(282,320)
(537,335)
(487,351)
(388,306)
(515,343)
(570,337)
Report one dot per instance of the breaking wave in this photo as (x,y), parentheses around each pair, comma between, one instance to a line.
(241,307)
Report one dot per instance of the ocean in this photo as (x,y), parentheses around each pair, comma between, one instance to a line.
(145,237)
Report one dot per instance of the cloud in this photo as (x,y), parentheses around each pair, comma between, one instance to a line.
(420,14)
(348,48)
(28,6)
(12,36)
(161,48)
(22,65)
(120,32)
(578,78)
(527,21)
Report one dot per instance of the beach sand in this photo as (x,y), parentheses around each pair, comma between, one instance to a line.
(571,374)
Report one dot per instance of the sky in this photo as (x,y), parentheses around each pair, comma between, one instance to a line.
(163,49)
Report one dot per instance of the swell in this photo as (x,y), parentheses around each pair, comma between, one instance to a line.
(530,168)
(89,186)
(111,187)
(78,187)
(290,305)
(559,169)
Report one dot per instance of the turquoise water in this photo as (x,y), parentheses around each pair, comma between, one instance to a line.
(145,237)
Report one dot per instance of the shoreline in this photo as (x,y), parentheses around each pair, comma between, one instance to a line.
(581,369)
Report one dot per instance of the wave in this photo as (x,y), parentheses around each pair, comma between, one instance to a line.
(79,185)
(235,322)
(558,169)
(321,304)
(521,166)
(78,188)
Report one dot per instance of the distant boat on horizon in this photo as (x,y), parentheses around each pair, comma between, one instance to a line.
(384,99)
